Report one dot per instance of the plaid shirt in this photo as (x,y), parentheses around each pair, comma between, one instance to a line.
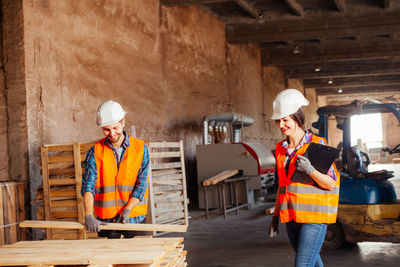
(306,139)
(89,178)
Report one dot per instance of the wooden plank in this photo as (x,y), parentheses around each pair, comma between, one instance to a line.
(170,216)
(270,210)
(164,188)
(166,165)
(220,177)
(78,181)
(152,199)
(62,181)
(184,183)
(84,147)
(156,155)
(163,211)
(46,188)
(169,205)
(163,144)
(108,226)
(64,214)
(64,203)
(63,193)
(2,236)
(164,172)
(168,198)
(57,159)
(14,210)
(66,171)
(157,182)
(58,148)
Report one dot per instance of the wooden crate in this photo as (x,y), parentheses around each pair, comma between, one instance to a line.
(12,212)
(62,171)
(167,183)
(135,252)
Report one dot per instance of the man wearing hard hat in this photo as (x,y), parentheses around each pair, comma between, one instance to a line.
(115,178)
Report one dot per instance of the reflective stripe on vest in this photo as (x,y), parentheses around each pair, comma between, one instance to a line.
(115,185)
(301,202)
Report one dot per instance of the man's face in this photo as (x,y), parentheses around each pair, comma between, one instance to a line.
(114,132)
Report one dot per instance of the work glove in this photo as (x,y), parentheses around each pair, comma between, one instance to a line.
(124,217)
(92,224)
(274,227)
(303,164)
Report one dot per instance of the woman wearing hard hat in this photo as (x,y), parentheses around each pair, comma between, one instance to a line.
(305,207)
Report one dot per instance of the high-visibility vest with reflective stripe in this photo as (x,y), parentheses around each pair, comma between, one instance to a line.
(115,185)
(304,202)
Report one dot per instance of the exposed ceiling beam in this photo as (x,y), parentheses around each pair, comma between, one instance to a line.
(292,30)
(344,50)
(362,90)
(341,5)
(249,8)
(296,7)
(377,80)
(386,3)
(190,2)
(342,69)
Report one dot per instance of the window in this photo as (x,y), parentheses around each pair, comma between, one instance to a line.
(368,128)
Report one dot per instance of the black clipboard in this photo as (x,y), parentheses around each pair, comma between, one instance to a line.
(321,157)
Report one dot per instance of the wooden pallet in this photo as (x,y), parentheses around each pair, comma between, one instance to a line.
(168,198)
(135,252)
(61,192)
(62,175)
(12,211)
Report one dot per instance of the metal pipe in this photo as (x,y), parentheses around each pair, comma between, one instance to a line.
(205,132)
(237,120)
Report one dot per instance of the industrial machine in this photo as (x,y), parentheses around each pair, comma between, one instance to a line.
(368,207)
(253,160)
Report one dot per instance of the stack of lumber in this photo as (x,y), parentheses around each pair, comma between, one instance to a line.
(168,199)
(139,252)
(61,188)
(12,211)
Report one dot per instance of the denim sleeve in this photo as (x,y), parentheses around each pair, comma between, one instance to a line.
(89,178)
(331,171)
(141,179)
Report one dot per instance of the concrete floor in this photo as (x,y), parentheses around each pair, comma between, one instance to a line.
(241,240)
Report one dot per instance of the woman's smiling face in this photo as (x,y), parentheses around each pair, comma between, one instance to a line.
(287,125)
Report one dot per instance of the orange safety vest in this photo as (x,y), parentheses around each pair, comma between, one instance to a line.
(114,186)
(302,202)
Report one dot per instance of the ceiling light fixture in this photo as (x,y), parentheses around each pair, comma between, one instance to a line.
(317,69)
(330,81)
(340,90)
(296,50)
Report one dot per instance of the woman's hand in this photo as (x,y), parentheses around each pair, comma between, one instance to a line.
(274,227)
(303,164)
(323,180)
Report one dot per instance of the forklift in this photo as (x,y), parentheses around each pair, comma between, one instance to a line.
(368,206)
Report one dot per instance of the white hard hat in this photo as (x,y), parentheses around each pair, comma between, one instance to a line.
(287,102)
(109,112)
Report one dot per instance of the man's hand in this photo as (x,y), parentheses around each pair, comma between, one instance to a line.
(124,218)
(92,224)
(303,164)
(274,227)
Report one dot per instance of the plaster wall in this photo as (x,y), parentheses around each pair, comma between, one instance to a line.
(168,67)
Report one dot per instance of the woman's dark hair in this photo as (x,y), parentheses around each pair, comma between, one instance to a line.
(299,117)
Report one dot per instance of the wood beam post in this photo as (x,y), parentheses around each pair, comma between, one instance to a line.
(296,7)
(341,5)
(249,8)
